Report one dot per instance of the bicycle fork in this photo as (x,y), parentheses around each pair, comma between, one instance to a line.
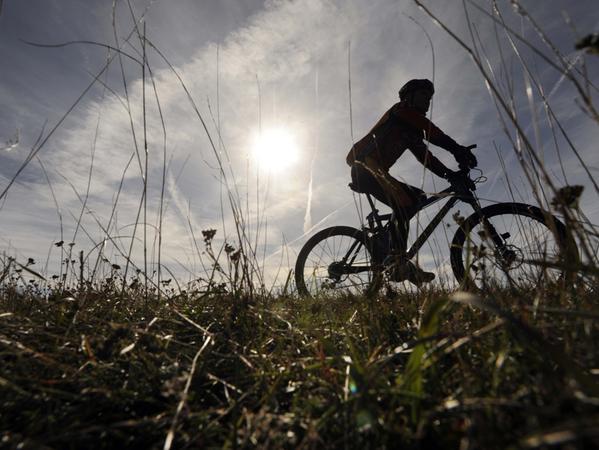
(504,254)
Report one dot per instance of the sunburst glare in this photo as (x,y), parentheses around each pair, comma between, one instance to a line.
(275,149)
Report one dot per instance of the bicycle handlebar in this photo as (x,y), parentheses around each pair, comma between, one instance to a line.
(464,171)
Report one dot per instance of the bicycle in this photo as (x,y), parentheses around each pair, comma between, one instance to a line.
(501,245)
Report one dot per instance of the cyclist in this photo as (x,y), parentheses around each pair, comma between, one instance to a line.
(403,127)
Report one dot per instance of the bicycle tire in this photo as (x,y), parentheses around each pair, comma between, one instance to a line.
(550,267)
(306,278)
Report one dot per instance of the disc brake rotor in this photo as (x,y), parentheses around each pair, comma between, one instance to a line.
(509,257)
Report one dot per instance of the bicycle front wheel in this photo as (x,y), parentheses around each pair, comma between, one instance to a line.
(336,261)
(510,245)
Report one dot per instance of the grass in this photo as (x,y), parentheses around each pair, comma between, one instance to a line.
(102,368)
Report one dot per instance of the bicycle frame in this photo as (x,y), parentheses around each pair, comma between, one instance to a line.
(430,228)
(454,197)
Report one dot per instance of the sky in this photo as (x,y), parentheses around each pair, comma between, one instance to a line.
(223,73)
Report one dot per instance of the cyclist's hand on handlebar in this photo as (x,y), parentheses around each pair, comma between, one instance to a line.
(465,166)
(465,158)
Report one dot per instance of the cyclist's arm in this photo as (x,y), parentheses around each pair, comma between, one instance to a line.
(433,134)
(422,154)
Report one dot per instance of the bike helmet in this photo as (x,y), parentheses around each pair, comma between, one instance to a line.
(416,85)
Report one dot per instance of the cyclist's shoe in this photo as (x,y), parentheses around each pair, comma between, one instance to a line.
(412,273)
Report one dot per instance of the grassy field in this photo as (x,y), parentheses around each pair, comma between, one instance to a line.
(104,369)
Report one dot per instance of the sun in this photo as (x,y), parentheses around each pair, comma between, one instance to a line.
(275,149)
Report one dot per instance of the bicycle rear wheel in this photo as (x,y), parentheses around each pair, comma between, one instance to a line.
(511,245)
(336,261)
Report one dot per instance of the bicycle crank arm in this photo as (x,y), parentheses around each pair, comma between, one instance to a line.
(337,269)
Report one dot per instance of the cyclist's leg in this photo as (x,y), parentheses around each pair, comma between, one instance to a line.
(403,199)
(400,197)
(407,270)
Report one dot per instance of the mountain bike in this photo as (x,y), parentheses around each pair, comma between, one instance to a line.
(501,245)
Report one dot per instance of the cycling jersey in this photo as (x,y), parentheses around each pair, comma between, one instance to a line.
(401,128)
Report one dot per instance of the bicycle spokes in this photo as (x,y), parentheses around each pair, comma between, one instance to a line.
(338,264)
(512,251)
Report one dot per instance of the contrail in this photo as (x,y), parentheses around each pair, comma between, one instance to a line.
(314,227)
(308,215)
